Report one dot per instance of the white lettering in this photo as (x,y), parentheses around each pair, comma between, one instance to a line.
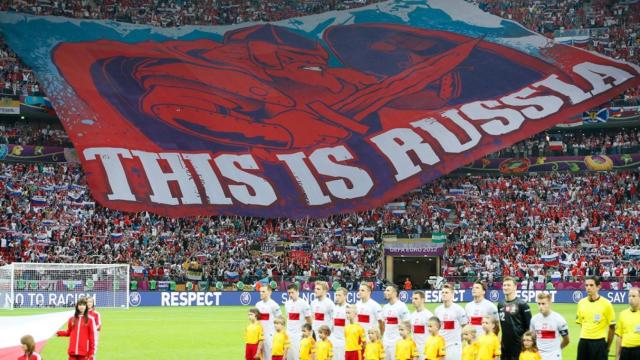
(574,93)
(360,181)
(486,110)
(116,177)
(542,106)
(303,175)
(165,299)
(231,167)
(447,139)
(212,187)
(159,180)
(395,144)
(597,74)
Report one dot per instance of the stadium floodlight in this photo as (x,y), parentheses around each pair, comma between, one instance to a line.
(48,285)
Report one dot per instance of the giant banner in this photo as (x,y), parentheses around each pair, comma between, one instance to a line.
(323,114)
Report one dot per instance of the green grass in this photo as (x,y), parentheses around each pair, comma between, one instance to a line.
(199,333)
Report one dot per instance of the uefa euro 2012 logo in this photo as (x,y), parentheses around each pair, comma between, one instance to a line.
(577,296)
(135,299)
(245,298)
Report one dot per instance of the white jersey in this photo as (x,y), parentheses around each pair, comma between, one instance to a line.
(419,326)
(339,322)
(549,332)
(337,335)
(297,312)
(322,313)
(369,313)
(452,319)
(393,315)
(476,311)
(268,312)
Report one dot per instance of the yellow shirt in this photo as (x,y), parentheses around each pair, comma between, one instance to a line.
(406,349)
(324,350)
(488,347)
(253,333)
(280,343)
(434,348)
(470,351)
(374,351)
(354,337)
(306,348)
(595,317)
(529,355)
(628,328)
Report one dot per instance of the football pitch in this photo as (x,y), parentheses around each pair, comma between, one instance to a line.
(200,332)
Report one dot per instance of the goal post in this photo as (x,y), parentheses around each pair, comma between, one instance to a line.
(49,285)
(6,290)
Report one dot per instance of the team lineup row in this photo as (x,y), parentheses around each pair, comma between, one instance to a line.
(451,333)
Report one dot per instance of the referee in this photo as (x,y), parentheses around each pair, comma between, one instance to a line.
(628,329)
(595,315)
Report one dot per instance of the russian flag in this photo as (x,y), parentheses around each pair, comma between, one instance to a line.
(397,208)
(555,145)
(368,240)
(550,259)
(42,238)
(442,209)
(13,191)
(61,187)
(117,236)
(38,201)
(41,327)
(48,188)
(75,197)
(231,275)
(77,187)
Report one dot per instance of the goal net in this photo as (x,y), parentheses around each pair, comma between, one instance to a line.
(35,285)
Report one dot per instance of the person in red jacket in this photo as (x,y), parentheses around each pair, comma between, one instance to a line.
(91,308)
(81,330)
(29,348)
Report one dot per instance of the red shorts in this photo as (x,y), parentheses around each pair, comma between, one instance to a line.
(352,355)
(250,351)
(78,357)
(276,357)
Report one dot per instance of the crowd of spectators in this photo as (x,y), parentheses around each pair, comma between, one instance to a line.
(576,143)
(29,134)
(534,226)
(588,220)
(15,78)
(47,215)
(170,13)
